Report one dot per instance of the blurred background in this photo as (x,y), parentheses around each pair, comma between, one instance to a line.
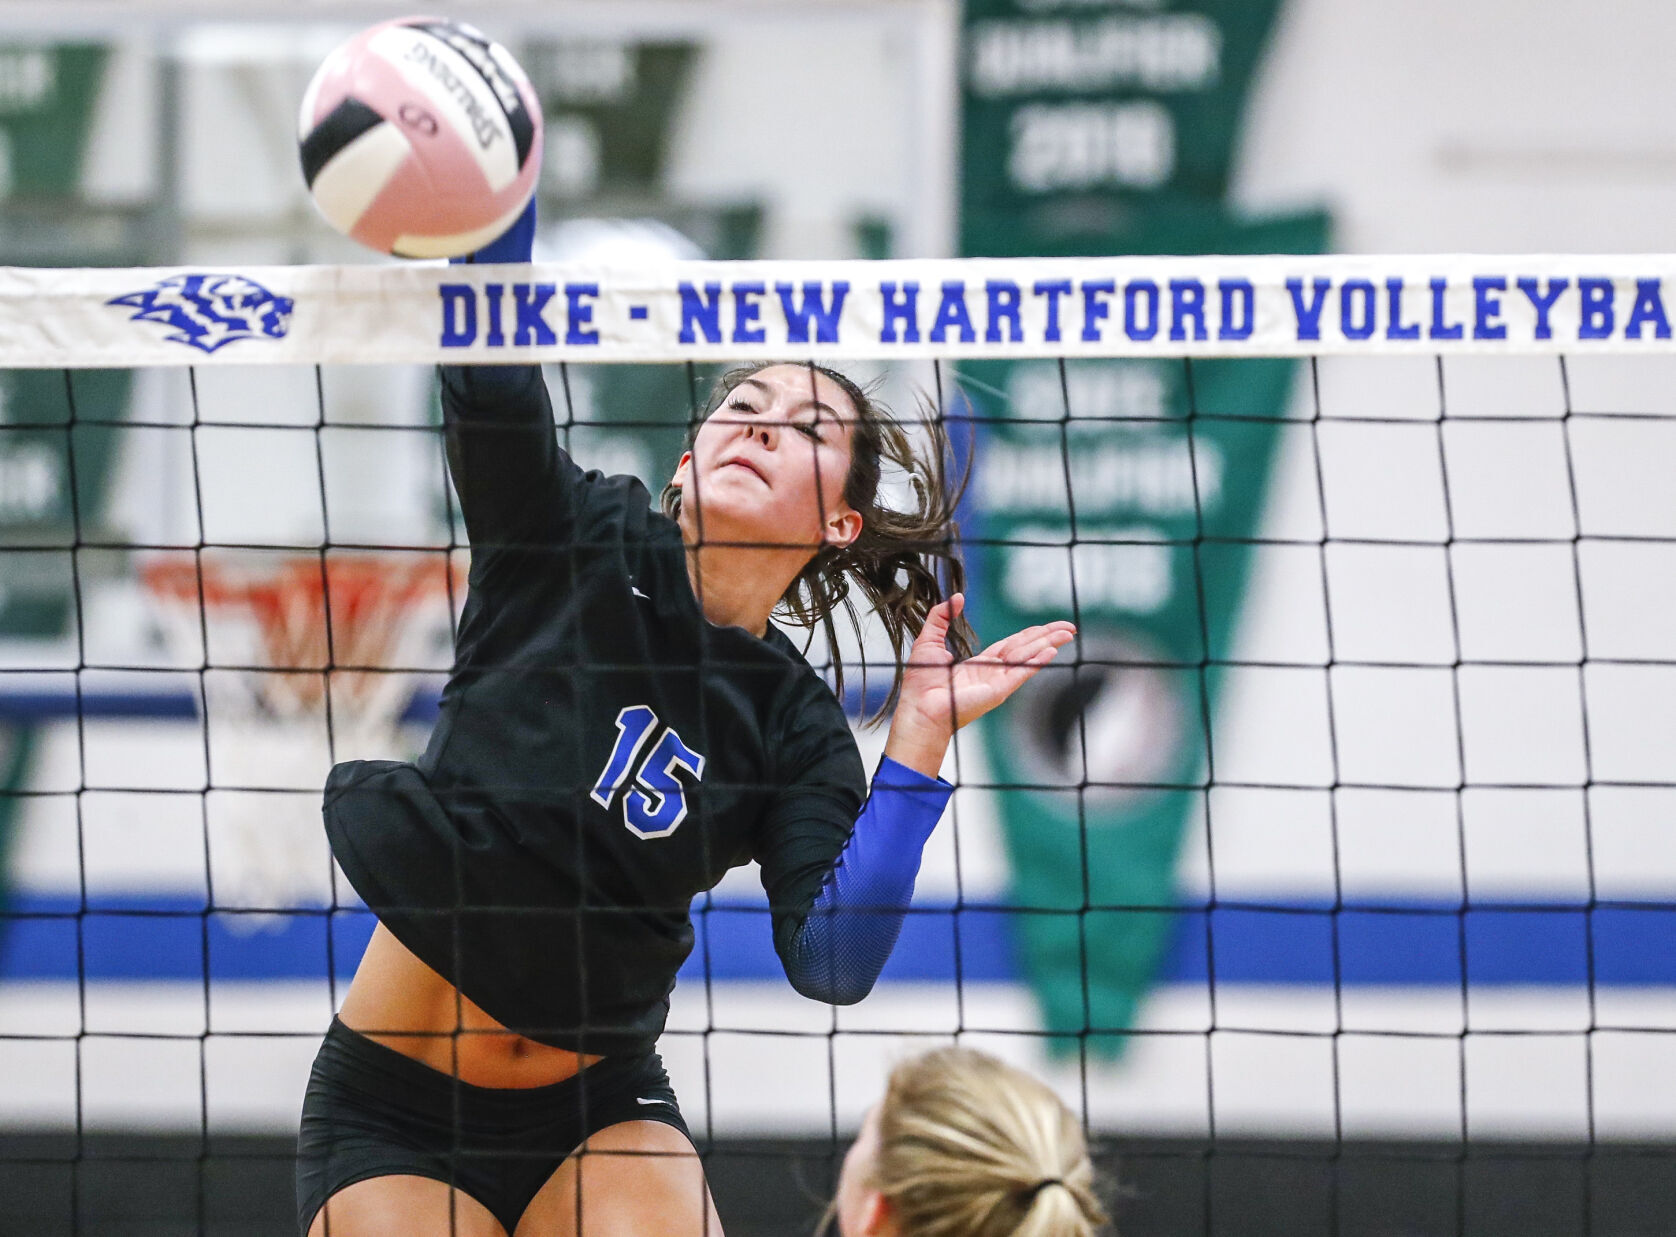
(1350,858)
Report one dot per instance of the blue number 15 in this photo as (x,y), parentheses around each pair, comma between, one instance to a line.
(655,801)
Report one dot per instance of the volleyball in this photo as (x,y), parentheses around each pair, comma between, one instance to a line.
(420,137)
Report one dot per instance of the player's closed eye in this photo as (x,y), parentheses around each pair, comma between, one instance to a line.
(809,429)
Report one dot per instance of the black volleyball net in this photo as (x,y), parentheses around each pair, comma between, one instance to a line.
(1334,852)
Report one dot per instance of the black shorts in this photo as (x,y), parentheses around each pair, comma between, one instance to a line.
(372,1112)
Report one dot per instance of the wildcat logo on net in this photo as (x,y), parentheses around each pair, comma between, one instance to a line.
(208,312)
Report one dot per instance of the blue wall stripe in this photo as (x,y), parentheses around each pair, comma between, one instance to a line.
(59,706)
(63,706)
(422,709)
(156,937)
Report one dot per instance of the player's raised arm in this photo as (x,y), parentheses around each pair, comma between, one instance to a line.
(508,469)
(504,459)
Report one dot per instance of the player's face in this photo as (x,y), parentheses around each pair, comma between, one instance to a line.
(862,1210)
(771,461)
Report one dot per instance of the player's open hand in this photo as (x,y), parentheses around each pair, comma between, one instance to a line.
(940,695)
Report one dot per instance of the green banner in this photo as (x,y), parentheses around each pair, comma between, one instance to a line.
(1125,494)
(1073,114)
(17,744)
(47,95)
(608,107)
(58,430)
(59,439)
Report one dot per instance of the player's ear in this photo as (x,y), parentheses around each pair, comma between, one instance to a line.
(682,470)
(843,526)
(878,1217)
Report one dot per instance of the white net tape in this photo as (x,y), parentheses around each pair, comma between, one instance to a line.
(971,308)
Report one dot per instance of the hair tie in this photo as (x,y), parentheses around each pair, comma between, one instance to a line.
(1044,1183)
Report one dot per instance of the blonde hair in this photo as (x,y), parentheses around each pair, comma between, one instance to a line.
(971,1147)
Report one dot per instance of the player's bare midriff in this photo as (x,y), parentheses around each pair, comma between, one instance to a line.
(398,1001)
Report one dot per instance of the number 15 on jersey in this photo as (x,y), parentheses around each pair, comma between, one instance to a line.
(653,801)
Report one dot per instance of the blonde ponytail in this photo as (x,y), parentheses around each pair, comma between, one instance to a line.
(971,1147)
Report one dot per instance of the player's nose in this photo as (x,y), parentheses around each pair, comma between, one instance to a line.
(764,431)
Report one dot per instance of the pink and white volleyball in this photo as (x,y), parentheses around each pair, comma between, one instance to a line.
(421,137)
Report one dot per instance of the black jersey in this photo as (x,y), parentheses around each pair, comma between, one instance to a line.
(603,754)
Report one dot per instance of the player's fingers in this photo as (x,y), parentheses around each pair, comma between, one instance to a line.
(1024,649)
(1023,643)
(937,620)
(998,663)
(1036,656)
(1058,629)
(1018,675)
(1003,652)
(1007,679)
(1056,634)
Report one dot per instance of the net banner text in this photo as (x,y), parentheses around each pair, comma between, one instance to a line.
(1013,308)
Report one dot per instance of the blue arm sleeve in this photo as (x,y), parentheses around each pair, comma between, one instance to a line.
(846,938)
(513,245)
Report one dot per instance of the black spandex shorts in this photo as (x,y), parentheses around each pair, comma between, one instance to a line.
(372,1112)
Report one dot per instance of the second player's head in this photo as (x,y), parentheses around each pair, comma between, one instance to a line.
(792,457)
(963,1145)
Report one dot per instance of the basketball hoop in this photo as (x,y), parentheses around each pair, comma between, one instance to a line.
(305,659)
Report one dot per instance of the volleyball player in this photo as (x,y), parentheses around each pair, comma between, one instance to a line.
(963,1145)
(622,726)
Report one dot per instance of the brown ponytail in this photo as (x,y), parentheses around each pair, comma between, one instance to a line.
(903,563)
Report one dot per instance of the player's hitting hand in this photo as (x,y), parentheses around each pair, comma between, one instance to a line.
(940,695)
